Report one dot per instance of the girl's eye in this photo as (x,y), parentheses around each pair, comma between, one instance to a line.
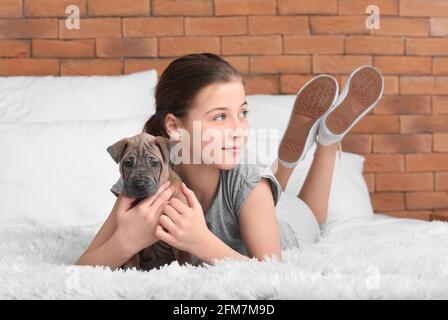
(245,112)
(222,116)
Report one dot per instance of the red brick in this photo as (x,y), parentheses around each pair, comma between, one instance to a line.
(270,44)
(87,67)
(244,7)
(439,26)
(423,123)
(404,181)
(391,85)
(241,63)
(403,65)
(357,143)
(423,85)
(385,201)
(373,45)
(377,124)
(28,28)
(307,7)
(153,27)
(410,214)
(63,48)
(441,180)
(338,64)
(14,48)
(440,104)
(390,26)
(441,142)
(427,200)
(384,163)
(427,47)
(11,9)
(370,181)
(222,26)
(440,66)
(29,67)
(280,64)
(182,8)
(261,84)
(427,162)
(137,65)
(116,47)
(177,46)
(52,8)
(291,83)
(118,8)
(395,104)
(313,44)
(423,8)
(338,25)
(278,24)
(92,28)
(356,7)
(402,143)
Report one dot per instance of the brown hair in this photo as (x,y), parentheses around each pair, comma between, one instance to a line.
(181,81)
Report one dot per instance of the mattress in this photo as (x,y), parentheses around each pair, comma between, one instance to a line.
(378,258)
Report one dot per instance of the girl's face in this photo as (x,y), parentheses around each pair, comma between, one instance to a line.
(217,124)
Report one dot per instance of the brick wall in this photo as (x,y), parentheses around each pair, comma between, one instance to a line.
(278,45)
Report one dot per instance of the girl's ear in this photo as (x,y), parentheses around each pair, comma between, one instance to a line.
(116,150)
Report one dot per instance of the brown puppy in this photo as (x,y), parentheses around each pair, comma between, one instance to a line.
(144,164)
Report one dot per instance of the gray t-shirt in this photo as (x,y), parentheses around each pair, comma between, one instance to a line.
(234,188)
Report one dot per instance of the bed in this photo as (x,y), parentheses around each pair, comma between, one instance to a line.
(48,123)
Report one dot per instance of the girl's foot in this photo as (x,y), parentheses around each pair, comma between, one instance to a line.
(361,93)
(313,100)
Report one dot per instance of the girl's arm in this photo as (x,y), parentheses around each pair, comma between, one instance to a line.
(106,248)
(215,248)
(258,227)
(111,253)
(258,223)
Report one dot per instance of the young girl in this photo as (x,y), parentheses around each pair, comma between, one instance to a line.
(231,211)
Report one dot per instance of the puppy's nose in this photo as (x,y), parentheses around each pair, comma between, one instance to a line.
(139,184)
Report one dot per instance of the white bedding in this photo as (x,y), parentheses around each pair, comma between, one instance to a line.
(376,258)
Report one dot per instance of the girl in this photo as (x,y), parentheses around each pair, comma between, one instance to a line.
(231,211)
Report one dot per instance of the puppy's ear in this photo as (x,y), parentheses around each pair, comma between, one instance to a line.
(165,146)
(116,150)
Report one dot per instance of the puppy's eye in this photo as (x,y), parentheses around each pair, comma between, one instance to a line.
(154,163)
(127,163)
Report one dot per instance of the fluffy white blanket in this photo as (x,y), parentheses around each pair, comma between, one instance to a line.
(380,258)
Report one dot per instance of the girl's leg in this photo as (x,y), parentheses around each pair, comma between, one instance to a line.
(315,191)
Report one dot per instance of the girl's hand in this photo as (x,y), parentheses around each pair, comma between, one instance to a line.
(136,226)
(186,228)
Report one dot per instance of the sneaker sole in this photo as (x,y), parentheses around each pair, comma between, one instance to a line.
(365,88)
(310,105)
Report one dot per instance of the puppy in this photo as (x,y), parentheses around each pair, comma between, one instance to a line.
(144,164)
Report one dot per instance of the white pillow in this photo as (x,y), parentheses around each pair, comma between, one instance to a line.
(349,196)
(27,99)
(60,173)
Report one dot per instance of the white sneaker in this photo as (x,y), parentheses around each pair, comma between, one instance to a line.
(361,93)
(313,100)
